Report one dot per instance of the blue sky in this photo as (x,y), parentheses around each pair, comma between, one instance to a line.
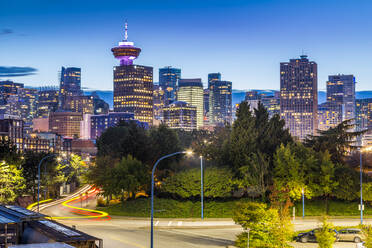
(244,40)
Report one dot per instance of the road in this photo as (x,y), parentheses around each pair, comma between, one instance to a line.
(135,232)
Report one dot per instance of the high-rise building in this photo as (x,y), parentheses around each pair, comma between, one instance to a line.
(206,106)
(341,91)
(180,115)
(133,84)
(70,84)
(47,101)
(220,102)
(299,96)
(65,123)
(363,114)
(272,103)
(213,77)
(159,104)
(28,103)
(329,115)
(168,78)
(191,91)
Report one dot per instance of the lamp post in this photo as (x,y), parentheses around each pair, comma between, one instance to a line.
(361,185)
(152,191)
(248,229)
(202,187)
(38,178)
(303,203)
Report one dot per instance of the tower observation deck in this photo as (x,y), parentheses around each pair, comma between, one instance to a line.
(126,52)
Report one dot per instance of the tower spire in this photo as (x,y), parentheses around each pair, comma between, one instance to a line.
(126,31)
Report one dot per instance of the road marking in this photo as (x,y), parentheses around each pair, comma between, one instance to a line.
(169,223)
(179,223)
(156,223)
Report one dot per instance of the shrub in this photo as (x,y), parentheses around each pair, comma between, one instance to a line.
(325,235)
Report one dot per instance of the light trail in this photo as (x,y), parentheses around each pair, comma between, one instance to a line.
(89,213)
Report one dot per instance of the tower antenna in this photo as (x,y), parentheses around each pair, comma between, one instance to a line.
(126,31)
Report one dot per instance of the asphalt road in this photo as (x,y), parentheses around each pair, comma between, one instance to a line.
(135,232)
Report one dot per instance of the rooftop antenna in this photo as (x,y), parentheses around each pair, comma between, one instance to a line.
(126,31)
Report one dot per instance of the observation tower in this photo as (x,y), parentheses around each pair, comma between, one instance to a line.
(126,52)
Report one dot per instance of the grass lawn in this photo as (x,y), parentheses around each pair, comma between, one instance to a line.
(169,208)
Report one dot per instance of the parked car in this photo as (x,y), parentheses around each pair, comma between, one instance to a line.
(310,236)
(351,234)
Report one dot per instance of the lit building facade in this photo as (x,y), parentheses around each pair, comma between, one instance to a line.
(299,96)
(47,101)
(191,91)
(70,84)
(99,123)
(65,123)
(168,78)
(272,103)
(180,115)
(329,115)
(220,102)
(363,114)
(341,91)
(213,77)
(82,104)
(206,106)
(159,104)
(11,129)
(28,99)
(133,84)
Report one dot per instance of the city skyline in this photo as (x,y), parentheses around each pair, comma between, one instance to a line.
(257,40)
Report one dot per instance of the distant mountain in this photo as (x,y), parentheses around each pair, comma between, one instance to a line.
(237,95)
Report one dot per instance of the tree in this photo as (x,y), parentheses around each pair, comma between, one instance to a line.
(125,178)
(327,183)
(163,141)
(325,235)
(367,231)
(128,138)
(267,229)
(217,183)
(11,182)
(253,175)
(367,192)
(129,175)
(243,138)
(348,183)
(337,140)
(289,173)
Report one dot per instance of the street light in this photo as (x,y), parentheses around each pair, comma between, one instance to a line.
(189,152)
(38,178)
(248,229)
(201,187)
(303,203)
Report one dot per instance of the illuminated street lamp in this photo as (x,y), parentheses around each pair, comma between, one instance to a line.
(189,152)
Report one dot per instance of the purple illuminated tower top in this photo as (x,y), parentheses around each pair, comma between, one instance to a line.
(126,52)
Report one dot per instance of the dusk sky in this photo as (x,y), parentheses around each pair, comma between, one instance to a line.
(244,40)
